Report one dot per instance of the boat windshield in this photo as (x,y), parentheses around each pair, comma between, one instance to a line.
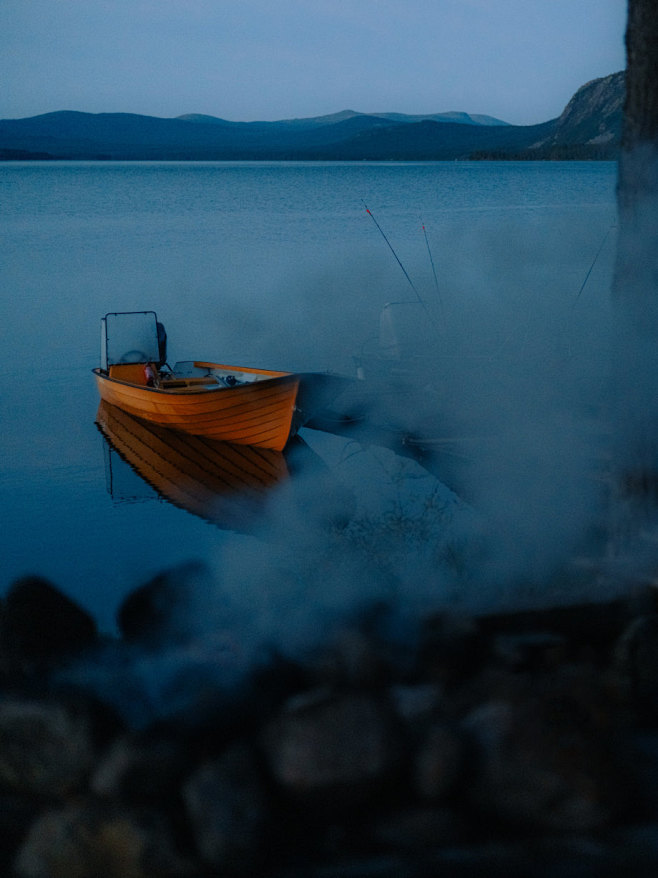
(129,337)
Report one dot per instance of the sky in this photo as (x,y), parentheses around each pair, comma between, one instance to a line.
(246,60)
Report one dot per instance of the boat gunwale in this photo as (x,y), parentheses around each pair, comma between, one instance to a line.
(276,377)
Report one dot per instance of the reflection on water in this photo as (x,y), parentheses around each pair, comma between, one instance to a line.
(223,483)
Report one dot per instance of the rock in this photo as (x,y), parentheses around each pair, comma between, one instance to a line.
(366,866)
(332,749)
(41,625)
(643,755)
(140,770)
(352,658)
(549,857)
(165,611)
(635,665)
(548,759)
(438,762)
(501,747)
(634,850)
(17,813)
(227,809)
(44,750)
(417,828)
(90,840)
(536,649)
(416,703)
(575,632)
(451,648)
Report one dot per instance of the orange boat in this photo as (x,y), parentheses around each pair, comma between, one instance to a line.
(232,403)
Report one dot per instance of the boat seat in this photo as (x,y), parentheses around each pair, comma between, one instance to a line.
(132,372)
(205,381)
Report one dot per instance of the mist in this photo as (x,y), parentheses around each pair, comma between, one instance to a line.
(505,370)
(474,476)
(503,374)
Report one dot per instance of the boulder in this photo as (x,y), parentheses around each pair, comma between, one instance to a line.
(45,751)
(170,609)
(144,770)
(635,665)
(416,828)
(549,758)
(332,749)
(41,625)
(227,808)
(88,840)
(438,762)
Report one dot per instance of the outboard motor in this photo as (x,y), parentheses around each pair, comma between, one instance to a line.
(162,344)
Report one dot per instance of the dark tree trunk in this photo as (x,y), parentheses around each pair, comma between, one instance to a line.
(635,288)
(641,109)
(638,165)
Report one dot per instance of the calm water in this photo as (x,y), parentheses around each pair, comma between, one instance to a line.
(263,264)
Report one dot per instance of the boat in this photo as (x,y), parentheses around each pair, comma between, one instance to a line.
(226,484)
(237,404)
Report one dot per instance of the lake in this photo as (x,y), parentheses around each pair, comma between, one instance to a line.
(279,265)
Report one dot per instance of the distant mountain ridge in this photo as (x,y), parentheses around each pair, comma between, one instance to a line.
(343,115)
(589,127)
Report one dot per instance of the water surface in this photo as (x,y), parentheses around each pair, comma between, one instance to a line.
(275,265)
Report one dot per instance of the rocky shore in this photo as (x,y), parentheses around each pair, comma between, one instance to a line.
(523,744)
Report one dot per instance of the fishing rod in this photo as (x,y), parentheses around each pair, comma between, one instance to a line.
(436,280)
(381,231)
(598,253)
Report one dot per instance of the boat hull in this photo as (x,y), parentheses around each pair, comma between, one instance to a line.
(260,413)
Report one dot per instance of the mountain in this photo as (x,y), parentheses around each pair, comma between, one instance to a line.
(589,127)
(593,117)
(74,135)
(463,118)
(431,141)
(333,118)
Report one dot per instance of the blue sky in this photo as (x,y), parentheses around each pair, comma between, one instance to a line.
(245,60)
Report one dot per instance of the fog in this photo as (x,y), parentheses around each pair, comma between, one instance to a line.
(633,525)
(503,375)
(505,369)
(503,379)
(475,477)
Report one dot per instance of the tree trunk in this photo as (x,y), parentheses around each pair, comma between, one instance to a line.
(637,191)
(635,288)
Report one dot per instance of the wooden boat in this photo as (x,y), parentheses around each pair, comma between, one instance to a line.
(236,404)
(223,483)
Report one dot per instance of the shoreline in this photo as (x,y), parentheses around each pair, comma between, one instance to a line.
(513,743)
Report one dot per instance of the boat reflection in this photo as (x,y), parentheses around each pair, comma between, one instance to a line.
(223,483)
